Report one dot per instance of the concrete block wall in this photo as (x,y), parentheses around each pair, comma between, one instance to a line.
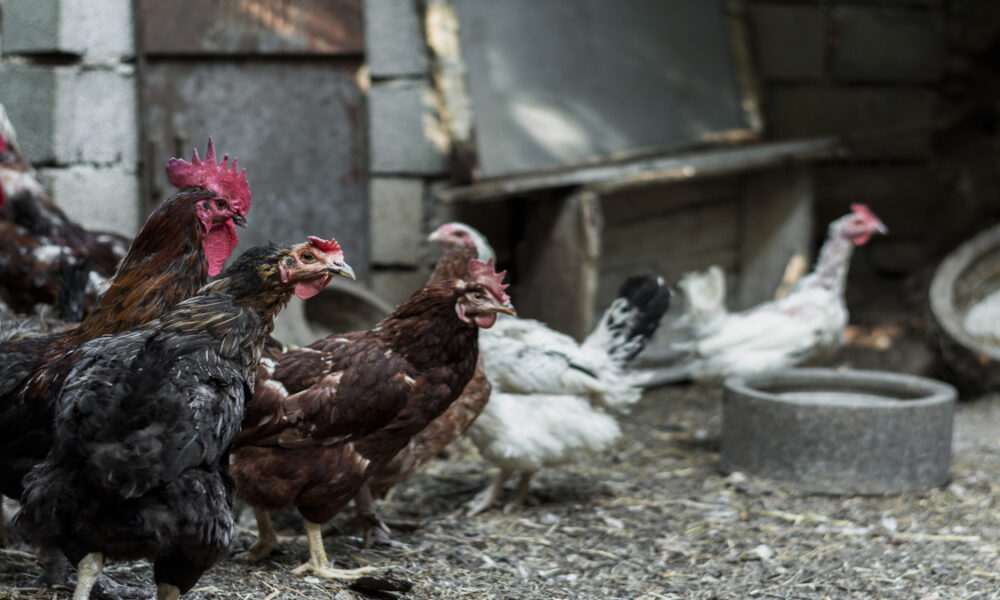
(407,145)
(869,71)
(67,79)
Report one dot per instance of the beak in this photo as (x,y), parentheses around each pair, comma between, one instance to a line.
(240,220)
(344,270)
(435,237)
(506,308)
(881,228)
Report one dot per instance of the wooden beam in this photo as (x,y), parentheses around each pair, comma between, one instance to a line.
(612,177)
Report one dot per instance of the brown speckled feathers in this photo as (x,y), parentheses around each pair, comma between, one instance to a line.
(368,393)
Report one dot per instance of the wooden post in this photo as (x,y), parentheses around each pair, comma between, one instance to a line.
(557,264)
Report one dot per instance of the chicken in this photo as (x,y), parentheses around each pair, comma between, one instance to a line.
(46,258)
(808,323)
(328,416)
(182,242)
(437,435)
(146,419)
(553,398)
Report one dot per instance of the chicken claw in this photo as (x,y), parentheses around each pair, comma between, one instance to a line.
(319,565)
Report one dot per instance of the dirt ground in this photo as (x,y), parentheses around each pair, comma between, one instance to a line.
(654,519)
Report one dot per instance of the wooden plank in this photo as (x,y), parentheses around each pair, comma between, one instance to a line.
(558,263)
(612,177)
(197,27)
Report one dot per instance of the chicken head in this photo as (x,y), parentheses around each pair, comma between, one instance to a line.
(860,225)
(220,214)
(484,295)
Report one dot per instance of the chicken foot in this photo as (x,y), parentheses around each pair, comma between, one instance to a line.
(318,563)
(87,572)
(266,542)
(486,499)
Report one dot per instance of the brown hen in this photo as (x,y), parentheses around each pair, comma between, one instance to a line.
(328,417)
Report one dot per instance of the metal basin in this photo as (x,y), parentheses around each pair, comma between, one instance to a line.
(841,432)
(965,307)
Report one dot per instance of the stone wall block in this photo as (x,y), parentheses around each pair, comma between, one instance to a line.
(406,133)
(788,40)
(394,38)
(70,114)
(396,221)
(101,198)
(99,30)
(886,45)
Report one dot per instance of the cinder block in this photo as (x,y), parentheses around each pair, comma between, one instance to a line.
(99,30)
(394,285)
(406,134)
(97,198)
(880,44)
(396,221)
(889,121)
(71,114)
(789,40)
(393,38)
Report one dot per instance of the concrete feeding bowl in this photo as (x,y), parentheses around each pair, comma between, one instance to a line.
(965,307)
(839,432)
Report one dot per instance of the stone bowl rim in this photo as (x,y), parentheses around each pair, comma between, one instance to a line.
(943,285)
(934,391)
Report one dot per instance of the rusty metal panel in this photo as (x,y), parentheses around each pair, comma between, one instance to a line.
(298,127)
(326,27)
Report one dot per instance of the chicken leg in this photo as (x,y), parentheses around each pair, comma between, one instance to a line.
(521,493)
(267,540)
(87,572)
(373,526)
(486,499)
(318,563)
(165,591)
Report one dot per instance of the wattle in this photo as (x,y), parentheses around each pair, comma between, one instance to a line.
(310,287)
(220,241)
(485,320)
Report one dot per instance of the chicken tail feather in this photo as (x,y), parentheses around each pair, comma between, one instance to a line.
(632,319)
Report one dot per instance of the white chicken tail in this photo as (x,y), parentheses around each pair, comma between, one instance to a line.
(627,325)
(705,301)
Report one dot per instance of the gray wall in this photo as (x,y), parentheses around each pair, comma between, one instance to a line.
(67,79)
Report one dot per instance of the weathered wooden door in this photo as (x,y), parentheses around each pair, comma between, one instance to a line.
(276,82)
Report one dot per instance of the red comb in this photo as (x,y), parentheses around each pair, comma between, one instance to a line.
(484,273)
(220,178)
(326,246)
(866,213)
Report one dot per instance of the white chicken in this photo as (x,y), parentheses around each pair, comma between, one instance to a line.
(808,322)
(553,398)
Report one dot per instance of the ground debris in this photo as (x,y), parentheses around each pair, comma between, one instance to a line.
(654,520)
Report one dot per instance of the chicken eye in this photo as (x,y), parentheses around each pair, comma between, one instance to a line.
(478,296)
(221,204)
(307,257)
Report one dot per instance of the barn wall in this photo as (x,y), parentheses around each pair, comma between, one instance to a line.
(67,79)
